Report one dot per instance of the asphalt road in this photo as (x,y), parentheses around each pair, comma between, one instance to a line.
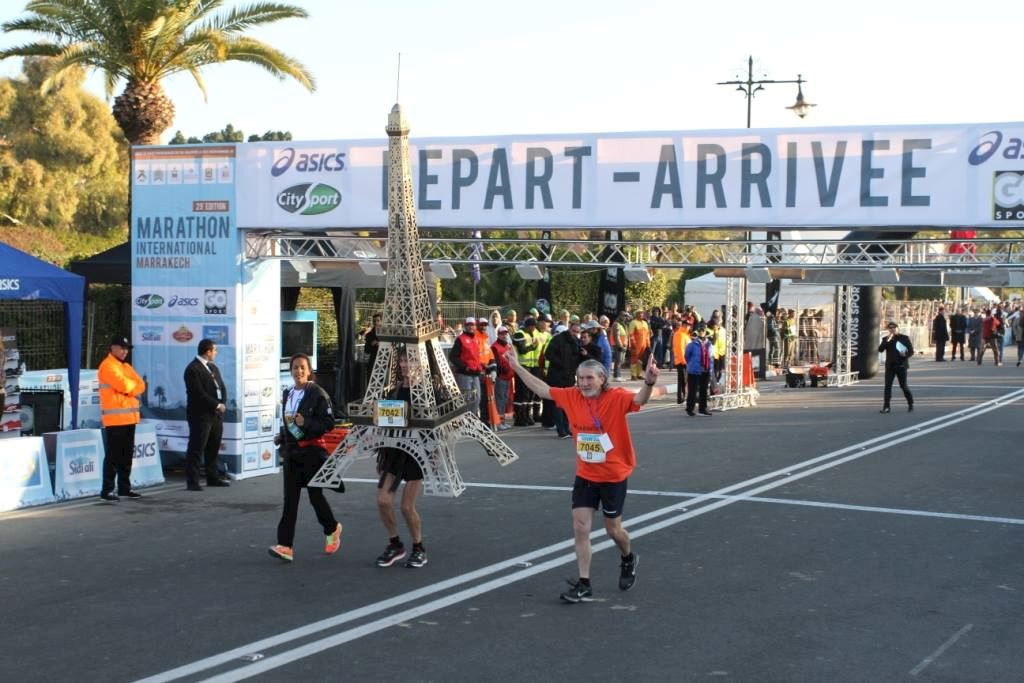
(806,539)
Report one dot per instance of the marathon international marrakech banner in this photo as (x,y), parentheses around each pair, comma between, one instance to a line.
(881,176)
(186,273)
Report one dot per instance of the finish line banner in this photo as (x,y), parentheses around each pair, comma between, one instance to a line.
(884,176)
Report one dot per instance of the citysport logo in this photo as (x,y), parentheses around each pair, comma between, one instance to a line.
(307,163)
(1008,196)
(990,143)
(308,199)
(149,301)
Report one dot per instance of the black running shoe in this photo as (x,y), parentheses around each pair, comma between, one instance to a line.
(417,559)
(131,494)
(577,593)
(391,554)
(627,571)
(110,497)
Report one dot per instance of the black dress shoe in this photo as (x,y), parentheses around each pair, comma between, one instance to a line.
(217,482)
(885,410)
(194,487)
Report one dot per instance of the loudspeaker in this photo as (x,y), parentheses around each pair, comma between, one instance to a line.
(47,408)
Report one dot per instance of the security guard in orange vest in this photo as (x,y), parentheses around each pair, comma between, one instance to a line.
(120,388)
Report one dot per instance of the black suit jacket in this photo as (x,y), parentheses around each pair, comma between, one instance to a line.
(201,388)
(893,358)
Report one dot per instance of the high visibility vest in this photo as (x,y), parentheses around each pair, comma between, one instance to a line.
(719,343)
(120,388)
(531,356)
(617,335)
(486,354)
(679,341)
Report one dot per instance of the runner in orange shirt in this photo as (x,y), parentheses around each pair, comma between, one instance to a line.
(605,459)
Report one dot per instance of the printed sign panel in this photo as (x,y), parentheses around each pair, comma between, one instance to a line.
(24,474)
(251,457)
(78,462)
(186,279)
(882,176)
(268,455)
(147,467)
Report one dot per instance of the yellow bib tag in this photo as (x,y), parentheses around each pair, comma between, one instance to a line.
(592,447)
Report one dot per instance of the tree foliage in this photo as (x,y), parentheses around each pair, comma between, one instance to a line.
(230,134)
(63,161)
(142,42)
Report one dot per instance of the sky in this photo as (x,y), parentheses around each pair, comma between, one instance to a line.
(558,66)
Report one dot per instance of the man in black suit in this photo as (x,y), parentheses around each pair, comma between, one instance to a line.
(898,350)
(207,399)
(940,334)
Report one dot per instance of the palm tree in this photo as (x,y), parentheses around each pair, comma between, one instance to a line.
(144,41)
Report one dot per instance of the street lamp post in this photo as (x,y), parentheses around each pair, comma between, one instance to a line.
(801,107)
(750,87)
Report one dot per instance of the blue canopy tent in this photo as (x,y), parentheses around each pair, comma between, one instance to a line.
(26,278)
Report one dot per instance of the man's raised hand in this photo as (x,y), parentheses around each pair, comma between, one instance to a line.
(651,373)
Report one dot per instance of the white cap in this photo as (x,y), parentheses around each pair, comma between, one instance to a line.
(471,320)
(502,328)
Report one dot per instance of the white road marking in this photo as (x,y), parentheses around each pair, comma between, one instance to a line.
(864,448)
(690,495)
(942,648)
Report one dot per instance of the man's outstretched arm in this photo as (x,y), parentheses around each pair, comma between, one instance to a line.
(536,384)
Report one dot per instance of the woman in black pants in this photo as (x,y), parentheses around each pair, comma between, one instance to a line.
(307,417)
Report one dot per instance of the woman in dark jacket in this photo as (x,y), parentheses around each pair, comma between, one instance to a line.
(307,416)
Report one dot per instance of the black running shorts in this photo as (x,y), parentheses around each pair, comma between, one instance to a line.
(610,495)
(399,463)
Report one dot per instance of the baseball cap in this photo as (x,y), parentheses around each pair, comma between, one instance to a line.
(530,322)
(471,320)
(546,317)
(593,324)
(481,321)
(502,328)
(121,341)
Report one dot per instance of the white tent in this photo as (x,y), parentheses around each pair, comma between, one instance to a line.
(983,293)
(707,292)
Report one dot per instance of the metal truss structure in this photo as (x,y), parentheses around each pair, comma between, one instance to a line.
(925,254)
(437,416)
(735,393)
(841,373)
